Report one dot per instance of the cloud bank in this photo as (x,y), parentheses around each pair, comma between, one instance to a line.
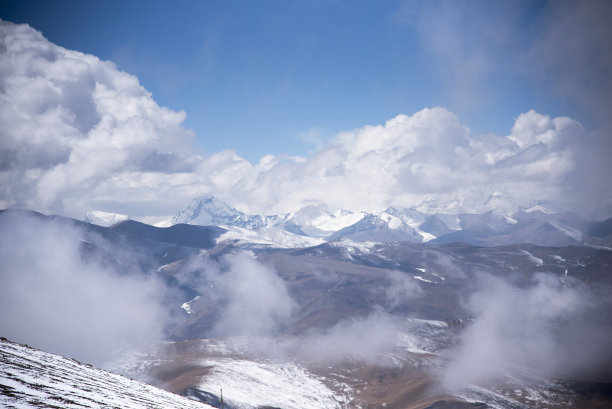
(548,328)
(488,55)
(56,299)
(77,135)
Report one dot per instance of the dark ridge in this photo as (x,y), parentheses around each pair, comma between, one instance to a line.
(202,237)
(600,229)
(589,390)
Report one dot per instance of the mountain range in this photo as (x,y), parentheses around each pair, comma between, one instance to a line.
(314,225)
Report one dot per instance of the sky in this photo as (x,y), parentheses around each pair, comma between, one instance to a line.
(245,98)
(278,77)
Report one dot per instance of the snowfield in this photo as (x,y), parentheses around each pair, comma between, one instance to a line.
(248,384)
(104,219)
(268,236)
(30,378)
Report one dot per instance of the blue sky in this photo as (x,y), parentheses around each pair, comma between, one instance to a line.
(279,77)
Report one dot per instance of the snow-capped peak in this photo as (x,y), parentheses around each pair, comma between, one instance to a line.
(439,219)
(207,210)
(210,210)
(104,219)
(539,208)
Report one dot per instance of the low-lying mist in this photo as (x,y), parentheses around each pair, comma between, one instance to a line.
(250,298)
(363,338)
(247,298)
(57,299)
(553,328)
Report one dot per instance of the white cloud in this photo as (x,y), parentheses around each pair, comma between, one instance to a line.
(532,128)
(57,297)
(377,334)
(71,123)
(78,135)
(256,298)
(245,296)
(553,54)
(541,327)
(402,286)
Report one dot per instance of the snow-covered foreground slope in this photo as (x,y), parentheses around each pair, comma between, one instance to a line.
(30,378)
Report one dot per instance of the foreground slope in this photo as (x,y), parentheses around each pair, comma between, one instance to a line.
(36,379)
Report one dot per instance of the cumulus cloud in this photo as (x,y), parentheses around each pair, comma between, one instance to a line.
(79,135)
(554,53)
(73,125)
(428,154)
(57,299)
(549,327)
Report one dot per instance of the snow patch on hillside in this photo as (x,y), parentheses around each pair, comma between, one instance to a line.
(536,260)
(354,247)
(573,233)
(335,221)
(249,384)
(538,208)
(104,219)
(424,280)
(187,305)
(268,236)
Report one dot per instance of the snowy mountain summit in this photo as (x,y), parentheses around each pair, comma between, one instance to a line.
(495,220)
(311,222)
(209,210)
